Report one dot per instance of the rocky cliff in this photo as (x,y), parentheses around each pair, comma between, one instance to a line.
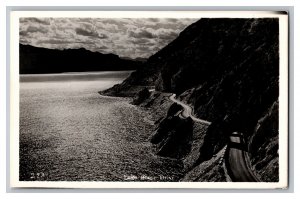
(228,71)
(43,60)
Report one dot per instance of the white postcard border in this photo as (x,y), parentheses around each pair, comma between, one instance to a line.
(283,99)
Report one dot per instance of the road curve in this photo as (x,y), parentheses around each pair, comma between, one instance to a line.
(187,111)
(235,160)
(236,155)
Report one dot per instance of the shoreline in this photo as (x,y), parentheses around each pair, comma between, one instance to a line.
(74,76)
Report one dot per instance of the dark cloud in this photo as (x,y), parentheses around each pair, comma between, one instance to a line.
(62,41)
(81,31)
(53,41)
(23,33)
(141,34)
(90,33)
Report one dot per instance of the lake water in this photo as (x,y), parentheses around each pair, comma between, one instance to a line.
(68,132)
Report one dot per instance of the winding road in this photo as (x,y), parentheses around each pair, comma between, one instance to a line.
(236,157)
(187,111)
(237,160)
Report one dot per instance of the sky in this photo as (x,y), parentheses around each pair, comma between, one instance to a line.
(126,37)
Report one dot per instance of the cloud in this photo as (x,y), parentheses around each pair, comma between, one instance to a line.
(141,41)
(89,30)
(84,32)
(53,41)
(141,34)
(126,37)
(32,29)
(62,41)
(167,34)
(173,20)
(102,47)
(144,48)
(155,20)
(23,33)
(44,21)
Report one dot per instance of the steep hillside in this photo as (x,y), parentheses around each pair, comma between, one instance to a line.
(43,60)
(228,71)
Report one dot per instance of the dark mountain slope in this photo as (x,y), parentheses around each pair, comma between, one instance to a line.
(43,60)
(228,70)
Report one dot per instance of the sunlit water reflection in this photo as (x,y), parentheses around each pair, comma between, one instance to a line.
(69,132)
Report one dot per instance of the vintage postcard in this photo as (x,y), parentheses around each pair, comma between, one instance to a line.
(156,99)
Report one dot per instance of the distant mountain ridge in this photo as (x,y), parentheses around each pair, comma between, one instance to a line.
(34,60)
(141,59)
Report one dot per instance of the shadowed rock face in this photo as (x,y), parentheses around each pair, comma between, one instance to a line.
(41,60)
(173,137)
(174,108)
(141,96)
(264,145)
(227,69)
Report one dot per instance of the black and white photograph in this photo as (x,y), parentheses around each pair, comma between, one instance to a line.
(182,99)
